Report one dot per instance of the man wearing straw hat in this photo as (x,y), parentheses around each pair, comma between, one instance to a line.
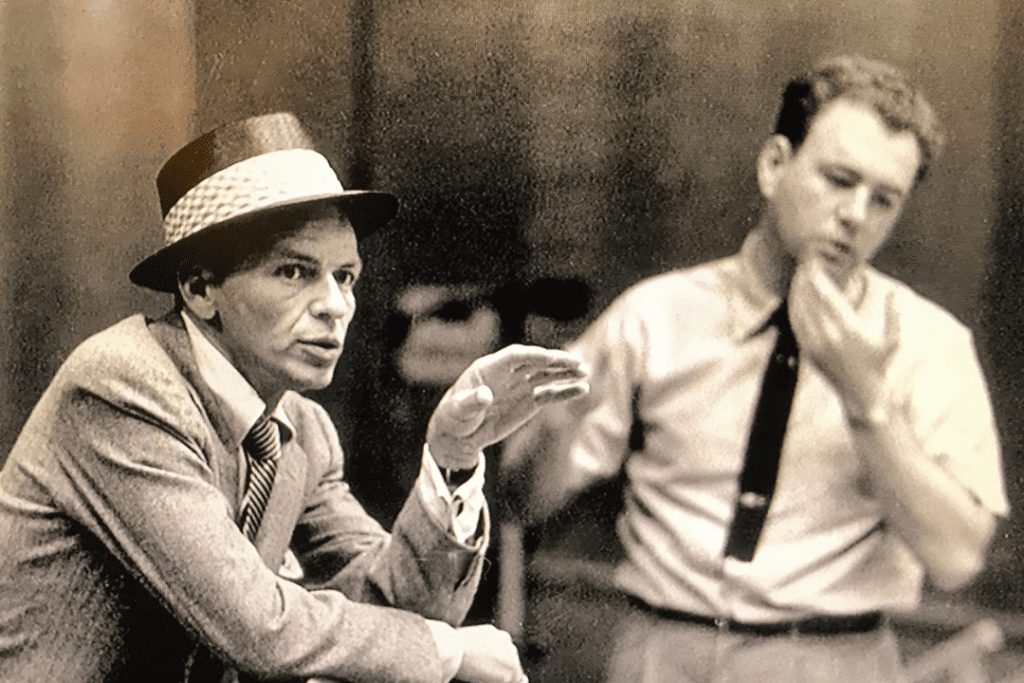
(154,498)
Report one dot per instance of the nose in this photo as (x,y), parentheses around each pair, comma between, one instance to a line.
(333,300)
(854,209)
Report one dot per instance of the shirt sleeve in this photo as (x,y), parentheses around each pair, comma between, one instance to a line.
(612,349)
(458,510)
(944,393)
(448,648)
(570,446)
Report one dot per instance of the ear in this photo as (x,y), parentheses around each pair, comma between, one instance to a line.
(771,162)
(197,293)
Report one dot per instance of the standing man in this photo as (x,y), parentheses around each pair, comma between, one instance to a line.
(804,438)
(149,505)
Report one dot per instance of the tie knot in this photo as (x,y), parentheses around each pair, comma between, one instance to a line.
(780,316)
(780,320)
(263,440)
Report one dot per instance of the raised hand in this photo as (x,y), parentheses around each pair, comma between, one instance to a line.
(496,395)
(851,354)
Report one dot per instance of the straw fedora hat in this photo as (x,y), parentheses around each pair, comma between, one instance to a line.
(212,188)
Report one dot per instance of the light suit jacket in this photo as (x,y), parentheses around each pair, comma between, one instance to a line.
(121,557)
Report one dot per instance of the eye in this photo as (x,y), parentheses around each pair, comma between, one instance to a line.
(293,271)
(884,201)
(841,180)
(345,278)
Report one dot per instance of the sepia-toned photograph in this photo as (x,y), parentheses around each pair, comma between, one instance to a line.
(511,341)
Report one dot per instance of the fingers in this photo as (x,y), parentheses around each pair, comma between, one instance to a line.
(800,318)
(563,380)
(816,289)
(546,374)
(544,367)
(551,373)
(519,359)
(549,393)
(545,382)
(467,409)
(819,310)
(523,354)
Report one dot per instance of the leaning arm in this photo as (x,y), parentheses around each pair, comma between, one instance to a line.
(929,443)
(136,476)
(941,520)
(420,566)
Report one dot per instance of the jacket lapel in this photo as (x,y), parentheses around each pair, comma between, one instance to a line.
(286,498)
(170,332)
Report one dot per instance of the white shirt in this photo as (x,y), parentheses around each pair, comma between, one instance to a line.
(683,353)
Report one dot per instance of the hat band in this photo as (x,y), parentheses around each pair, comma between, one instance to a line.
(259,182)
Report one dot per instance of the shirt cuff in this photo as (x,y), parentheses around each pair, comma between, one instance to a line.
(449,648)
(457,511)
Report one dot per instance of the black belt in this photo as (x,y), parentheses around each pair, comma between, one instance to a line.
(812,626)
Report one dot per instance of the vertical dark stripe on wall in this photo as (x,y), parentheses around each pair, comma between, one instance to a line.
(364,33)
(1002,331)
(32,207)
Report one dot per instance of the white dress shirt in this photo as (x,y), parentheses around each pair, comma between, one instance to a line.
(681,355)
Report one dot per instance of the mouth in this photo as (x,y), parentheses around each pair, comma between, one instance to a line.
(326,343)
(324,349)
(837,255)
(837,251)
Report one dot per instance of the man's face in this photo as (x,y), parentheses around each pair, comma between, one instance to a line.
(838,196)
(283,317)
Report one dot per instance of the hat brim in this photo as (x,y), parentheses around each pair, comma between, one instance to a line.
(366,210)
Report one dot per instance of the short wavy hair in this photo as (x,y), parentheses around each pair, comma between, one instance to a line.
(879,85)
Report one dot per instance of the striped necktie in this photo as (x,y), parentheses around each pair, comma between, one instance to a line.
(262,447)
(764,448)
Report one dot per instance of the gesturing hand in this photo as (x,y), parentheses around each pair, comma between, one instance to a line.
(488,656)
(496,395)
(853,356)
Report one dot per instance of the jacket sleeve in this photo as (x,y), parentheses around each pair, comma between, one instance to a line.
(130,441)
(419,566)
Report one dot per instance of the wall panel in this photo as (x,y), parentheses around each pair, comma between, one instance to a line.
(93,98)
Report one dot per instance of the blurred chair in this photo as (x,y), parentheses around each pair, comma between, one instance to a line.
(960,659)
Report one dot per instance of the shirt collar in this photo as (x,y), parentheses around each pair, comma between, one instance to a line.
(241,404)
(751,300)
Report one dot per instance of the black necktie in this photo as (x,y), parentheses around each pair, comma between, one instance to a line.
(761,464)
(262,449)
